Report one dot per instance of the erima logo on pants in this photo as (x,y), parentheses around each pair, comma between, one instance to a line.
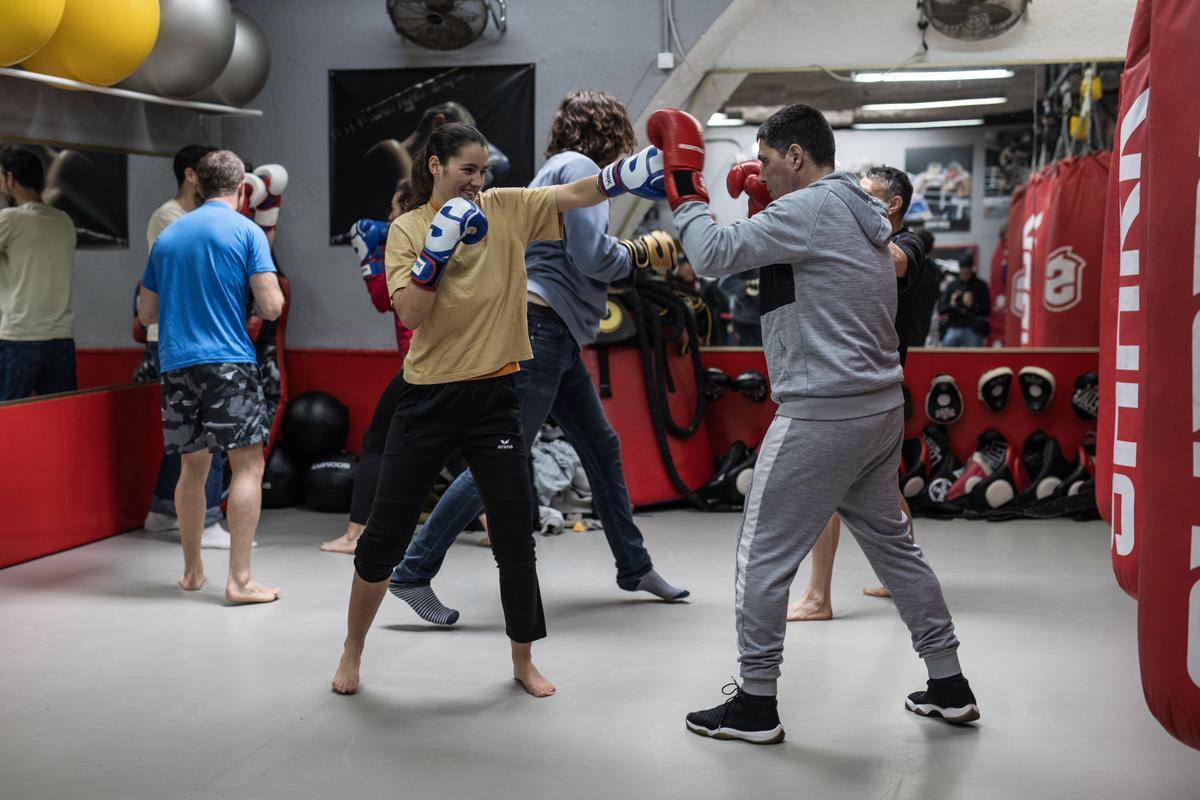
(505,444)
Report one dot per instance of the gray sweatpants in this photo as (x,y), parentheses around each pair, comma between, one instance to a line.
(806,471)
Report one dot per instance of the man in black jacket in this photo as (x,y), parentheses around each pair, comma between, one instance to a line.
(963,309)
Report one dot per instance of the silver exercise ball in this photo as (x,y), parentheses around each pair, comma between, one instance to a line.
(195,42)
(246,73)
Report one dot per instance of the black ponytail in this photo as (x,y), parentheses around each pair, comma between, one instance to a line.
(445,142)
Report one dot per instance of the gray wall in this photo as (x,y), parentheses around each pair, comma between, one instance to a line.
(105,279)
(609,46)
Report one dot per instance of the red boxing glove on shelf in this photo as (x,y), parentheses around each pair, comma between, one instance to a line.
(743,177)
(677,134)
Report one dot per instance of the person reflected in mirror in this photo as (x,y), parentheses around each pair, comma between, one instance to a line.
(964,307)
(37,256)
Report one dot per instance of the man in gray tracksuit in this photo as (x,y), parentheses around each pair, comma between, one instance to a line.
(828,298)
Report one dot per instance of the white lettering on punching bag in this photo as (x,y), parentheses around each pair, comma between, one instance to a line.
(1193,609)
(1064,279)
(1032,223)
(1128,356)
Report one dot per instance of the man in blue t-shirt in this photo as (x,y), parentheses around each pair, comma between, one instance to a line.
(202,270)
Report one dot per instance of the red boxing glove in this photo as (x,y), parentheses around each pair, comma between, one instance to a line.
(677,134)
(743,177)
(254,325)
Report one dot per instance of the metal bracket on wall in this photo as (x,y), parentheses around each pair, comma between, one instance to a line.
(67,83)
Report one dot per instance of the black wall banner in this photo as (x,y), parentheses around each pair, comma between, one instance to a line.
(380,120)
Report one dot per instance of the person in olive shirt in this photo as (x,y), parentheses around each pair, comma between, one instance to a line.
(37,260)
(892,187)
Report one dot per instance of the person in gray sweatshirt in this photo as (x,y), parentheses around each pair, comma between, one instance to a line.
(568,287)
(828,301)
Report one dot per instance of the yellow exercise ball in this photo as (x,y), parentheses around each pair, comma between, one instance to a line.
(99,41)
(26,27)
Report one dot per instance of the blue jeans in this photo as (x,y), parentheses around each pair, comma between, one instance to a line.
(163,499)
(961,337)
(555,381)
(45,367)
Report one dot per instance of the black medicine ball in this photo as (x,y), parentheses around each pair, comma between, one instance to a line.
(330,483)
(314,424)
(283,480)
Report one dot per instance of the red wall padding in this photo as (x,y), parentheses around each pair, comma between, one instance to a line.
(629,415)
(1169,551)
(357,377)
(80,468)
(1015,422)
(1120,459)
(733,417)
(736,418)
(105,366)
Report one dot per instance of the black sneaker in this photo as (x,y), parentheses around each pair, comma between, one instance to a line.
(748,717)
(950,699)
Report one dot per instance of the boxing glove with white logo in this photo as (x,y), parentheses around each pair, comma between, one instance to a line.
(458,220)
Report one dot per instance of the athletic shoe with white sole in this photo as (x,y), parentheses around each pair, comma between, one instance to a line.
(950,699)
(156,522)
(217,538)
(751,718)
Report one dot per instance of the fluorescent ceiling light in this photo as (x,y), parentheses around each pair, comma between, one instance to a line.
(925,105)
(719,120)
(937,123)
(905,76)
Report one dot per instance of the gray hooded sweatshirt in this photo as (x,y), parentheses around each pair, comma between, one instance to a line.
(827,292)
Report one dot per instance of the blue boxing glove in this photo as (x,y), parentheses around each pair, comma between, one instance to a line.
(640,173)
(368,236)
(459,220)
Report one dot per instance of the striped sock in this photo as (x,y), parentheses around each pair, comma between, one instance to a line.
(421,598)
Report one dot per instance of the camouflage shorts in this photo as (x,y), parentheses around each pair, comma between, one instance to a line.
(214,406)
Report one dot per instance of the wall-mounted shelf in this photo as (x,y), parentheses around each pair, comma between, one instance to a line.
(67,83)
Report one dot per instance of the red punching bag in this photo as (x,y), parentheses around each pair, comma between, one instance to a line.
(998,288)
(1012,246)
(1169,550)
(1026,284)
(1070,252)
(1119,458)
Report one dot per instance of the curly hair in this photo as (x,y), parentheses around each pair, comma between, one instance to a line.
(593,123)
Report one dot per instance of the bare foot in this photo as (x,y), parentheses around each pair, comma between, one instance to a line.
(345,680)
(534,682)
(876,591)
(808,609)
(191,581)
(250,592)
(342,544)
(485,541)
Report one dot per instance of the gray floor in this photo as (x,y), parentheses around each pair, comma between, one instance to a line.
(119,686)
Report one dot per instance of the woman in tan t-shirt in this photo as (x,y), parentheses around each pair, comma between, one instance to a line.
(456,269)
